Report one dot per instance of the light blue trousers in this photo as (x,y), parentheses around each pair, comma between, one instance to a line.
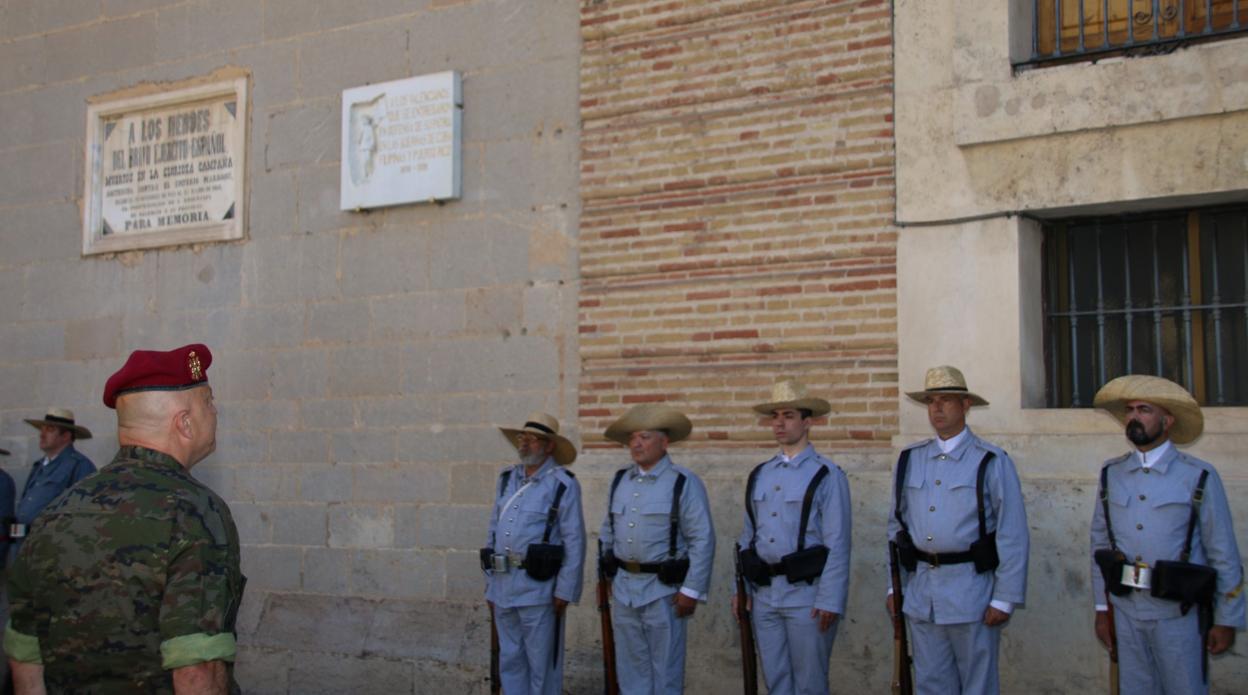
(794,653)
(649,648)
(1159,656)
(527,661)
(956,659)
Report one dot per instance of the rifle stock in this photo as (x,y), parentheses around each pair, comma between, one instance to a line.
(1113,648)
(903,680)
(749,659)
(611,680)
(496,681)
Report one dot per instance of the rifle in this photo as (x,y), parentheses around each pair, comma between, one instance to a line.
(903,681)
(496,681)
(1113,649)
(749,662)
(611,685)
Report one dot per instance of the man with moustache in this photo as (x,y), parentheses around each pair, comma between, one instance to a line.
(798,567)
(62,465)
(658,540)
(130,582)
(966,564)
(1151,501)
(535,556)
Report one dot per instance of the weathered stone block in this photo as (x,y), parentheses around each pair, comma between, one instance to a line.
(303,622)
(319,198)
(211,279)
(39,173)
(366,371)
(365,54)
(273,567)
(20,19)
(461,444)
(301,373)
(299,447)
(262,672)
(327,571)
(100,48)
(328,414)
(253,524)
(363,446)
(386,261)
(322,674)
(325,483)
(299,524)
(452,633)
(464,580)
(32,340)
(243,375)
(223,24)
(474,483)
(336,323)
(269,327)
(274,205)
(240,447)
(353,526)
(400,483)
(402,574)
(299,269)
(398,412)
(256,416)
(447,526)
(264,483)
(307,133)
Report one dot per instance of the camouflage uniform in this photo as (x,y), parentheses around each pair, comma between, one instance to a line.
(131,573)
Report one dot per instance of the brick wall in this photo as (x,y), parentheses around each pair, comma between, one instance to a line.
(737,196)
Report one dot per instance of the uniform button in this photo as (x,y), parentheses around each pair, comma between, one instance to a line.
(777,488)
(631,524)
(508,533)
(630,540)
(1142,497)
(773,513)
(771,540)
(931,509)
(512,519)
(507,548)
(1147,471)
(636,494)
(634,509)
(929,538)
(515,506)
(938,482)
(942,457)
(1139,527)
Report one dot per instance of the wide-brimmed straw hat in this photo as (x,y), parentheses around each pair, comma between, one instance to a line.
(60,417)
(546,427)
(791,394)
(1189,422)
(650,416)
(945,380)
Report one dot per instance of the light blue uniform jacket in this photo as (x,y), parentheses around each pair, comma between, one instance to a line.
(641,508)
(1149,510)
(939,507)
(523,522)
(777,499)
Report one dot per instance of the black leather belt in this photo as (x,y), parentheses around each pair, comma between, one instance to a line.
(639,567)
(938,559)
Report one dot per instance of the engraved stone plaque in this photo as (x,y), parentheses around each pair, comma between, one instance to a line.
(401,141)
(166,167)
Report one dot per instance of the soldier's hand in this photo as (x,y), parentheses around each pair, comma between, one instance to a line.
(684,605)
(560,606)
(826,618)
(1102,628)
(1221,637)
(994,617)
(736,605)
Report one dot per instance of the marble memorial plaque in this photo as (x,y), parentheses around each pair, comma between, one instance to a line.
(166,168)
(401,142)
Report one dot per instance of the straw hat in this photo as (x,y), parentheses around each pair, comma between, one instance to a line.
(791,394)
(945,380)
(1189,422)
(650,416)
(60,417)
(546,427)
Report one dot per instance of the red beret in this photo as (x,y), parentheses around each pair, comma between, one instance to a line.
(150,370)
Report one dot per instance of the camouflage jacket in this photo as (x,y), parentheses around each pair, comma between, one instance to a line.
(131,573)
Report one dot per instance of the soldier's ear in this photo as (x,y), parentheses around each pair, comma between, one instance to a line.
(182,423)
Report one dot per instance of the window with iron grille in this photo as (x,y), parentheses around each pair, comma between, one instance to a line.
(1157,293)
(1064,30)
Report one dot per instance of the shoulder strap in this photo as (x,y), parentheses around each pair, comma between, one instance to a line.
(1198,497)
(807,502)
(979,493)
(675,516)
(503,479)
(1109,529)
(749,497)
(899,484)
(615,482)
(553,514)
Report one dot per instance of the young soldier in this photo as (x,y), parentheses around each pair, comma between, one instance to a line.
(966,562)
(795,548)
(535,556)
(659,541)
(1157,498)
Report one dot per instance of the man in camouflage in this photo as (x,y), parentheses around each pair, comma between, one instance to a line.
(130,582)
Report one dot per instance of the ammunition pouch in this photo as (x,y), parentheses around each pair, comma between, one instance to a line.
(609,565)
(543,560)
(753,568)
(672,572)
(1111,563)
(906,554)
(1185,582)
(984,553)
(486,561)
(805,565)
